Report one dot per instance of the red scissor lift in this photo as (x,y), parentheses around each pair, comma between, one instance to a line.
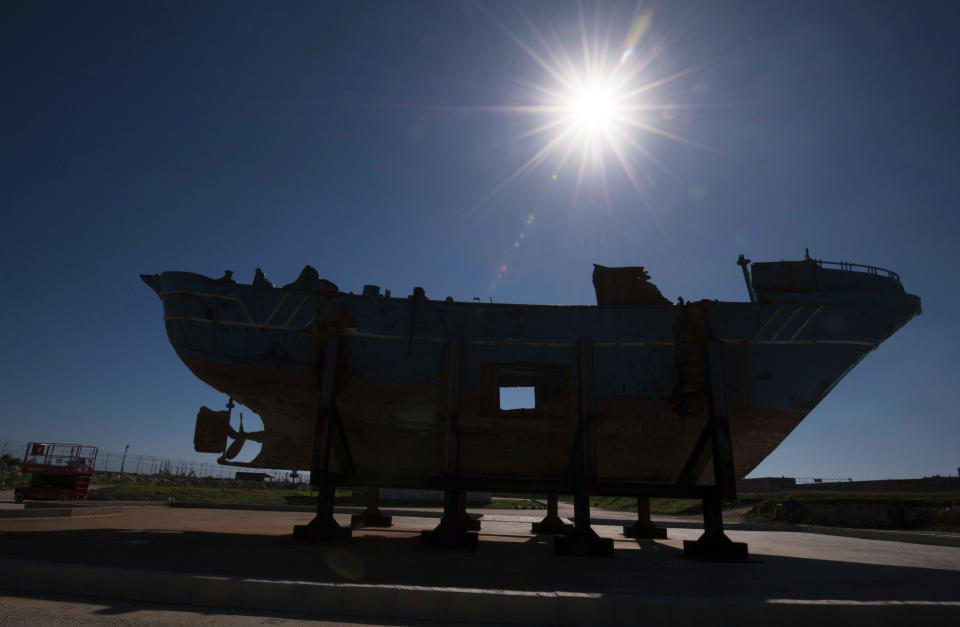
(59,472)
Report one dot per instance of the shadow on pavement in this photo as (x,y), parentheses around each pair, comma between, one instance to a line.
(647,569)
(915,537)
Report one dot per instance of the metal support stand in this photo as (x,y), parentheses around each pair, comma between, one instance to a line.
(582,539)
(644,527)
(452,531)
(470,524)
(372,516)
(551,524)
(714,545)
(323,526)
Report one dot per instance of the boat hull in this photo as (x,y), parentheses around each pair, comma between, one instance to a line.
(264,348)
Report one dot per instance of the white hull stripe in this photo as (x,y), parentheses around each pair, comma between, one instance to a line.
(786,322)
(443,340)
(804,325)
(277,308)
(767,323)
(231,299)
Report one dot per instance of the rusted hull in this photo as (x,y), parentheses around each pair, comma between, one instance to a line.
(636,439)
(264,346)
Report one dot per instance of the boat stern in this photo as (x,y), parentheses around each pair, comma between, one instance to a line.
(153,280)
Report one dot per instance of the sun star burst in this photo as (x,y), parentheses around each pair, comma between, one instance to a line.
(597,102)
(592,108)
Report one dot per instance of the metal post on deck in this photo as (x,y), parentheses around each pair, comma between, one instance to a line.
(582,539)
(323,526)
(452,532)
(714,545)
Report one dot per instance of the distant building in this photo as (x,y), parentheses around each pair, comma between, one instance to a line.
(766,484)
(251,476)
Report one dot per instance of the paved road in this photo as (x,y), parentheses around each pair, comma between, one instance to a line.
(65,611)
(786,564)
(258,543)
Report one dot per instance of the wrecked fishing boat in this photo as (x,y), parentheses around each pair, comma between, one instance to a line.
(631,396)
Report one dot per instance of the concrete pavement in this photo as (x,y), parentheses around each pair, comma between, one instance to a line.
(513,576)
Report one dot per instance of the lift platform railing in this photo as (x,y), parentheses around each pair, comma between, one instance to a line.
(56,457)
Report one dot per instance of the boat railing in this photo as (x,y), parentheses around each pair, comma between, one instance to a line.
(859,267)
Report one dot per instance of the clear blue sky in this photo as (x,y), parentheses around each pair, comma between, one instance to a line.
(370,140)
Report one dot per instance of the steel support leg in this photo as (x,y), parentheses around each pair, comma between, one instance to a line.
(714,545)
(644,527)
(323,526)
(372,516)
(452,532)
(471,524)
(552,524)
(582,539)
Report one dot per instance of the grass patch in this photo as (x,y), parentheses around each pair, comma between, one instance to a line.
(292,496)
(258,496)
(657,505)
(514,503)
(360,500)
(827,496)
(193,494)
(10,476)
(679,507)
(347,498)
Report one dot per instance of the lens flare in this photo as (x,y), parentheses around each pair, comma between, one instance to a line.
(596,101)
(346,564)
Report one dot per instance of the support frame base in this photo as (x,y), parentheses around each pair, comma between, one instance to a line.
(551,525)
(583,544)
(449,537)
(371,518)
(318,530)
(638,530)
(715,549)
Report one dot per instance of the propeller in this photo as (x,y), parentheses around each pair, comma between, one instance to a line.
(239,438)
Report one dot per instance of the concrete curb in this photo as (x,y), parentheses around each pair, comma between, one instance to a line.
(255,508)
(458,604)
(61,512)
(93,503)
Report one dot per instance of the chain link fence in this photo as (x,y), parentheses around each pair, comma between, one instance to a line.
(135,463)
(806,480)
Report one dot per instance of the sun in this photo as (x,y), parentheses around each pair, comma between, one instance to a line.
(592,108)
(596,103)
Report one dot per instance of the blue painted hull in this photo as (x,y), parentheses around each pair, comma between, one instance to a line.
(263,346)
